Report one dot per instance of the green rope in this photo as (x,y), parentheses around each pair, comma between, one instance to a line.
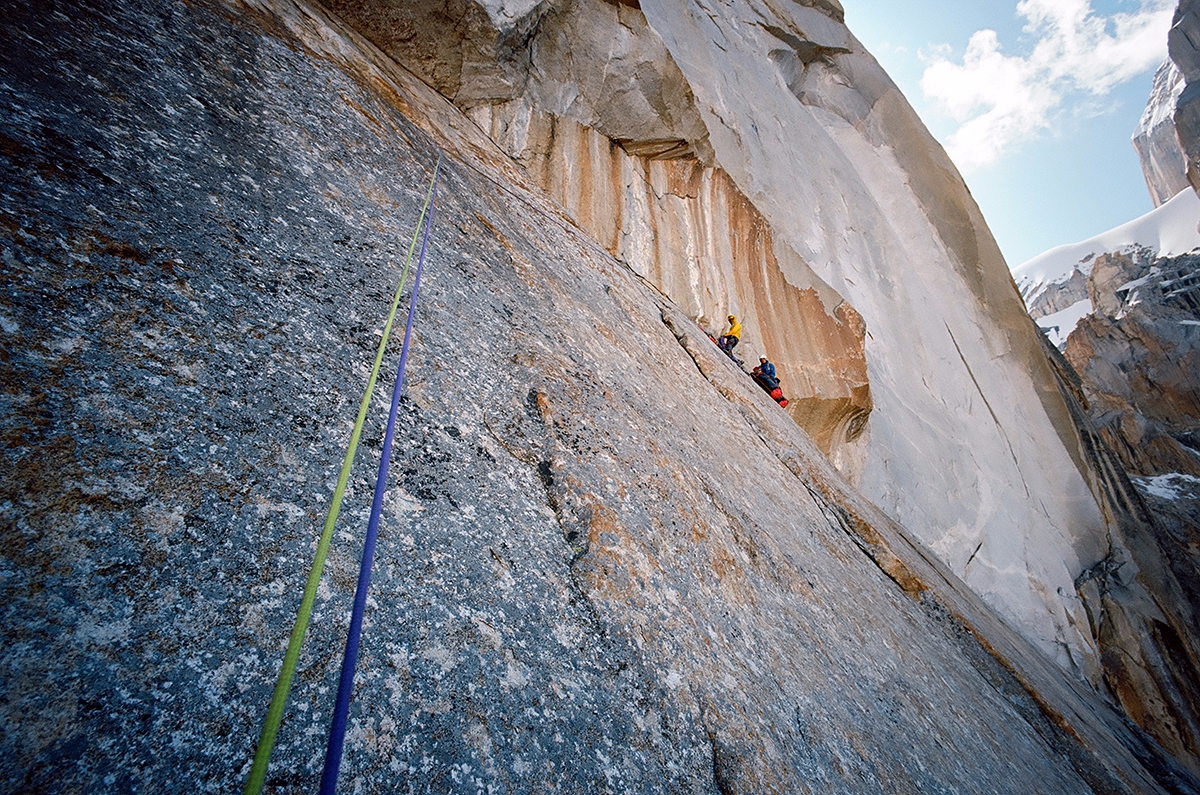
(266,741)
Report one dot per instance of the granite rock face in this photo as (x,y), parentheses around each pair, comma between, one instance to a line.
(812,202)
(809,200)
(689,230)
(872,205)
(608,562)
(1174,501)
(1184,48)
(1156,141)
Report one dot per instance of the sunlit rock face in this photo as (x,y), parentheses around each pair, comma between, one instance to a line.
(1156,141)
(811,201)
(1184,48)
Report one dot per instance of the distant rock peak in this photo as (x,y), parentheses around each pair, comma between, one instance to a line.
(1156,141)
(1183,44)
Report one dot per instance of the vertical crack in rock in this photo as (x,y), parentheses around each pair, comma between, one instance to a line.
(719,772)
(973,554)
(995,419)
(673,324)
(571,519)
(530,438)
(681,338)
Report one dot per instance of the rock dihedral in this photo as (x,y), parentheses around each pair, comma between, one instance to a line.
(866,228)
(609,563)
(670,157)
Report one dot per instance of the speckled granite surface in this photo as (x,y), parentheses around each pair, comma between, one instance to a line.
(594,574)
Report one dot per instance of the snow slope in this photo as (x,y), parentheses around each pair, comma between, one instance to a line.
(1059,325)
(1168,230)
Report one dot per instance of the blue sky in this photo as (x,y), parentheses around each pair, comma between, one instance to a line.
(1039,116)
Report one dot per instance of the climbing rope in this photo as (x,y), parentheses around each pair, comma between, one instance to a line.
(266,740)
(341,709)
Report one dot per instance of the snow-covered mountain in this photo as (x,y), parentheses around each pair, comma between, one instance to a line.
(1054,283)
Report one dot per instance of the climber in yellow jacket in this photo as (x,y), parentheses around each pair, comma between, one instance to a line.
(731,338)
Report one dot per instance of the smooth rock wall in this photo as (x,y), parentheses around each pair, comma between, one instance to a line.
(970,443)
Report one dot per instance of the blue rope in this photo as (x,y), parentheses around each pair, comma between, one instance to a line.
(262,754)
(341,709)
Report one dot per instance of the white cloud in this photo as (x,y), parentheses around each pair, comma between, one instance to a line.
(1000,99)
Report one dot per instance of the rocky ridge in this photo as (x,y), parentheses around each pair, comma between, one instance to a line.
(1139,356)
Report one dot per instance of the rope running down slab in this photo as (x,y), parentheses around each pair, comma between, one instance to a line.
(341,709)
(266,741)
